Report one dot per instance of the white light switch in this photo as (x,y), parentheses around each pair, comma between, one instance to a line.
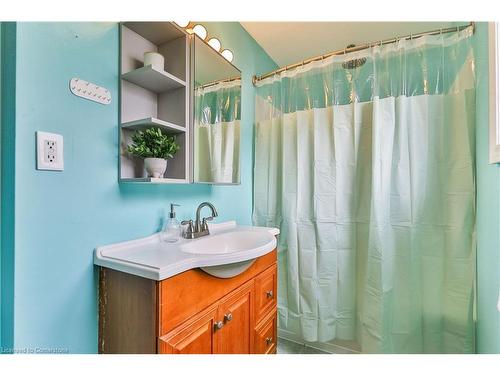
(49,151)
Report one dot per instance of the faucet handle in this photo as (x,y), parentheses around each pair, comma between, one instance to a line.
(189,230)
(187,222)
(204,224)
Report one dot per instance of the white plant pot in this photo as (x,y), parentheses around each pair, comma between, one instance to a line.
(155,167)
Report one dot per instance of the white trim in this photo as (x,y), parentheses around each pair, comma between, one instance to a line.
(494,93)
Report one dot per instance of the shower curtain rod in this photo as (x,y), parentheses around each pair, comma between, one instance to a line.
(344,51)
(213,83)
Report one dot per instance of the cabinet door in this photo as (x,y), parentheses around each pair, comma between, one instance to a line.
(236,311)
(197,336)
(265,335)
(265,292)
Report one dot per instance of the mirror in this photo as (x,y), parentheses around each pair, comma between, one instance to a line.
(217,115)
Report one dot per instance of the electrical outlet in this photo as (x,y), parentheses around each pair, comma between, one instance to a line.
(49,151)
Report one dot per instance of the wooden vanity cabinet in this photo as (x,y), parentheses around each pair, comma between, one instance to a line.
(190,313)
(196,336)
(265,334)
(236,313)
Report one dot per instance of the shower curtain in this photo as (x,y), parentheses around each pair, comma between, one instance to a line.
(369,174)
(217,132)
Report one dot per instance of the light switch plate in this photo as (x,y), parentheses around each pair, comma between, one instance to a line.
(49,151)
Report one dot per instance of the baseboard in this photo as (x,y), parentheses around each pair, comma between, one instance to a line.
(330,347)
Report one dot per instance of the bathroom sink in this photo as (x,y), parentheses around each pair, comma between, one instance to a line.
(227,251)
(229,242)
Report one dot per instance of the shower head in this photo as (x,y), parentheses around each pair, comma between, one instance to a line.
(355,63)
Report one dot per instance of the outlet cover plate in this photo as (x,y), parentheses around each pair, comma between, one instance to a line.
(49,151)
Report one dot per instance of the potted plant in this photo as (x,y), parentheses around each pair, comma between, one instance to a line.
(155,147)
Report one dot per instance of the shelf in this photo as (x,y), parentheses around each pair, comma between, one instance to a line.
(156,32)
(154,80)
(151,121)
(151,180)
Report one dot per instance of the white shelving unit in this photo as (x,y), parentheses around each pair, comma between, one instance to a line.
(154,98)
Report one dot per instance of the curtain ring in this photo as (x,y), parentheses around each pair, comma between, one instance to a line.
(411,36)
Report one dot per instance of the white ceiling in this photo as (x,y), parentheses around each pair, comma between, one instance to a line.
(291,42)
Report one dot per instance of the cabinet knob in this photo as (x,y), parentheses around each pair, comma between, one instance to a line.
(218,325)
(269,341)
(228,317)
(269,294)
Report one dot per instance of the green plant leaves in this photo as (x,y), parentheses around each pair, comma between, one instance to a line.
(153,143)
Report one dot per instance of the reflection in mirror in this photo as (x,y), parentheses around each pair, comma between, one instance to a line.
(217,115)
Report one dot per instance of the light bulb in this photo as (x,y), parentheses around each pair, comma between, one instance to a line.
(228,55)
(200,31)
(215,44)
(182,23)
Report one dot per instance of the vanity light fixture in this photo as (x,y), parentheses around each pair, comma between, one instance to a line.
(215,44)
(228,55)
(200,31)
(182,24)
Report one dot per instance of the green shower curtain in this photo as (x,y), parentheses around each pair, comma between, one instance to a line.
(369,174)
(217,132)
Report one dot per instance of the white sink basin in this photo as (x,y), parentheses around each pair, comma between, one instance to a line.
(227,251)
(236,241)
(229,242)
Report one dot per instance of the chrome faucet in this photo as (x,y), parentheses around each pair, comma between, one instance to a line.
(200,227)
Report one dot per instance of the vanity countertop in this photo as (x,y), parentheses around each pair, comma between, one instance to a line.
(154,259)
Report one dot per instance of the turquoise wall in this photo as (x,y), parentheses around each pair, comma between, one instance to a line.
(62,216)
(0,176)
(488,210)
(7,150)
